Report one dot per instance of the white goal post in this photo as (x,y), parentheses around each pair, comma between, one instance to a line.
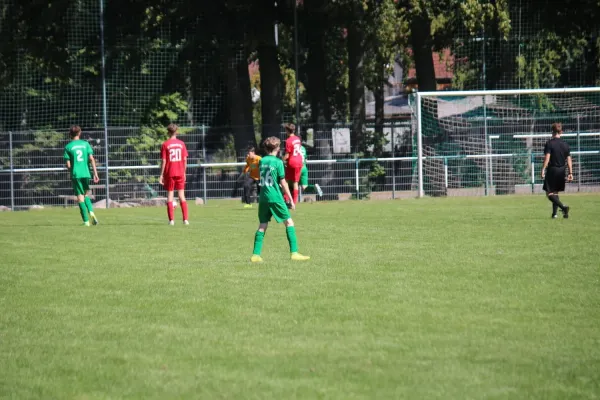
(496,126)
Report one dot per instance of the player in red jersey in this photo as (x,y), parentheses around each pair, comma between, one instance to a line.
(172,175)
(293,159)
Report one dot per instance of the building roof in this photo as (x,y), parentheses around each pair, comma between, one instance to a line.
(443,63)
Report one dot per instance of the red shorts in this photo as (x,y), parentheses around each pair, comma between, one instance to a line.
(292,174)
(174,183)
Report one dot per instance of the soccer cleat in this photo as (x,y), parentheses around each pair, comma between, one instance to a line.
(86,223)
(256,259)
(554,216)
(171,222)
(247,205)
(186,222)
(299,257)
(566,212)
(319,190)
(94,219)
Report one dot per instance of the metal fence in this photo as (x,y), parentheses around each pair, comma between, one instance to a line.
(378,178)
(502,158)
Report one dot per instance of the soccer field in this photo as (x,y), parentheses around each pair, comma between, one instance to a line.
(434,298)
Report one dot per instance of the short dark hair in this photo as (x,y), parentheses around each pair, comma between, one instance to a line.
(172,129)
(290,128)
(556,128)
(251,149)
(75,131)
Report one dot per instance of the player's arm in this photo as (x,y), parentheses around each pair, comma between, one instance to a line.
(286,189)
(163,164)
(247,167)
(185,168)
(288,150)
(546,162)
(67,159)
(570,165)
(93,162)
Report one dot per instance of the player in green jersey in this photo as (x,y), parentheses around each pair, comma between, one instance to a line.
(304,176)
(78,153)
(271,202)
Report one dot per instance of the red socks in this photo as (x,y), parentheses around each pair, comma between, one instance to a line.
(170,210)
(184,210)
(295,194)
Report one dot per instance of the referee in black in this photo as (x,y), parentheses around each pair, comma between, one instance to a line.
(557,157)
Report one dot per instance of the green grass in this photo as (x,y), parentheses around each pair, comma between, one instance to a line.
(435,298)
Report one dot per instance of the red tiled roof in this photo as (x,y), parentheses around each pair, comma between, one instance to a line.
(441,64)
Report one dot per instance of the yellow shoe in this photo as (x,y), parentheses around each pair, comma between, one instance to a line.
(94,219)
(299,257)
(256,259)
(247,205)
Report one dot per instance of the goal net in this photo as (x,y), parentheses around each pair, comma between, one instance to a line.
(492,142)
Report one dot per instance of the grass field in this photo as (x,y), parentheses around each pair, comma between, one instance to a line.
(435,298)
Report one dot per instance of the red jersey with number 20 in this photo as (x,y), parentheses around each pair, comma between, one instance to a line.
(293,144)
(173,152)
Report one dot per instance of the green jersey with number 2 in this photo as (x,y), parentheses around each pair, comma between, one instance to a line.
(79,152)
(271,172)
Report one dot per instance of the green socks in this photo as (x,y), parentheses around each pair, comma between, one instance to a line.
(291,237)
(88,204)
(258,242)
(83,211)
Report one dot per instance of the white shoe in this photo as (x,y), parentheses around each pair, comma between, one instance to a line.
(171,222)
(319,191)
(186,222)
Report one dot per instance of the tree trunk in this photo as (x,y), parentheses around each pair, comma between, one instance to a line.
(422,52)
(319,101)
(271,83)
(239,100)
(356,53)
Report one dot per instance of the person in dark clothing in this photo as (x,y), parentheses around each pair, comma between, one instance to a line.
(557,157)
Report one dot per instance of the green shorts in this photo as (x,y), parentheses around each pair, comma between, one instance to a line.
(81,186)
(304,176)
(277,209)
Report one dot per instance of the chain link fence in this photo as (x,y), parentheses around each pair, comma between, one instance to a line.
(32,171)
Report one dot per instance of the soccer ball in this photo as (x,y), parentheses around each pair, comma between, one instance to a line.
(174,204)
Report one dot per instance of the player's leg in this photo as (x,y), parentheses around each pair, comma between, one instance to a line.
(554,205)
(554,183)
(180,186)
(254,191)
(290,174)
(290,232)
(169,185)
(264,216)
(295,184)
(282,214)
(80,194)
(247,199)
(88,201)
(304,179)
(306,187)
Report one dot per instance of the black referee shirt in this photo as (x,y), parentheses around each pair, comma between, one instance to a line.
(559,151)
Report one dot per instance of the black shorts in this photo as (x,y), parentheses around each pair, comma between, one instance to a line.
(555,180)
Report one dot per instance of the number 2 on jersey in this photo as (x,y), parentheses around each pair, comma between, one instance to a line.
(79,155)
(174,155)
(296,149)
